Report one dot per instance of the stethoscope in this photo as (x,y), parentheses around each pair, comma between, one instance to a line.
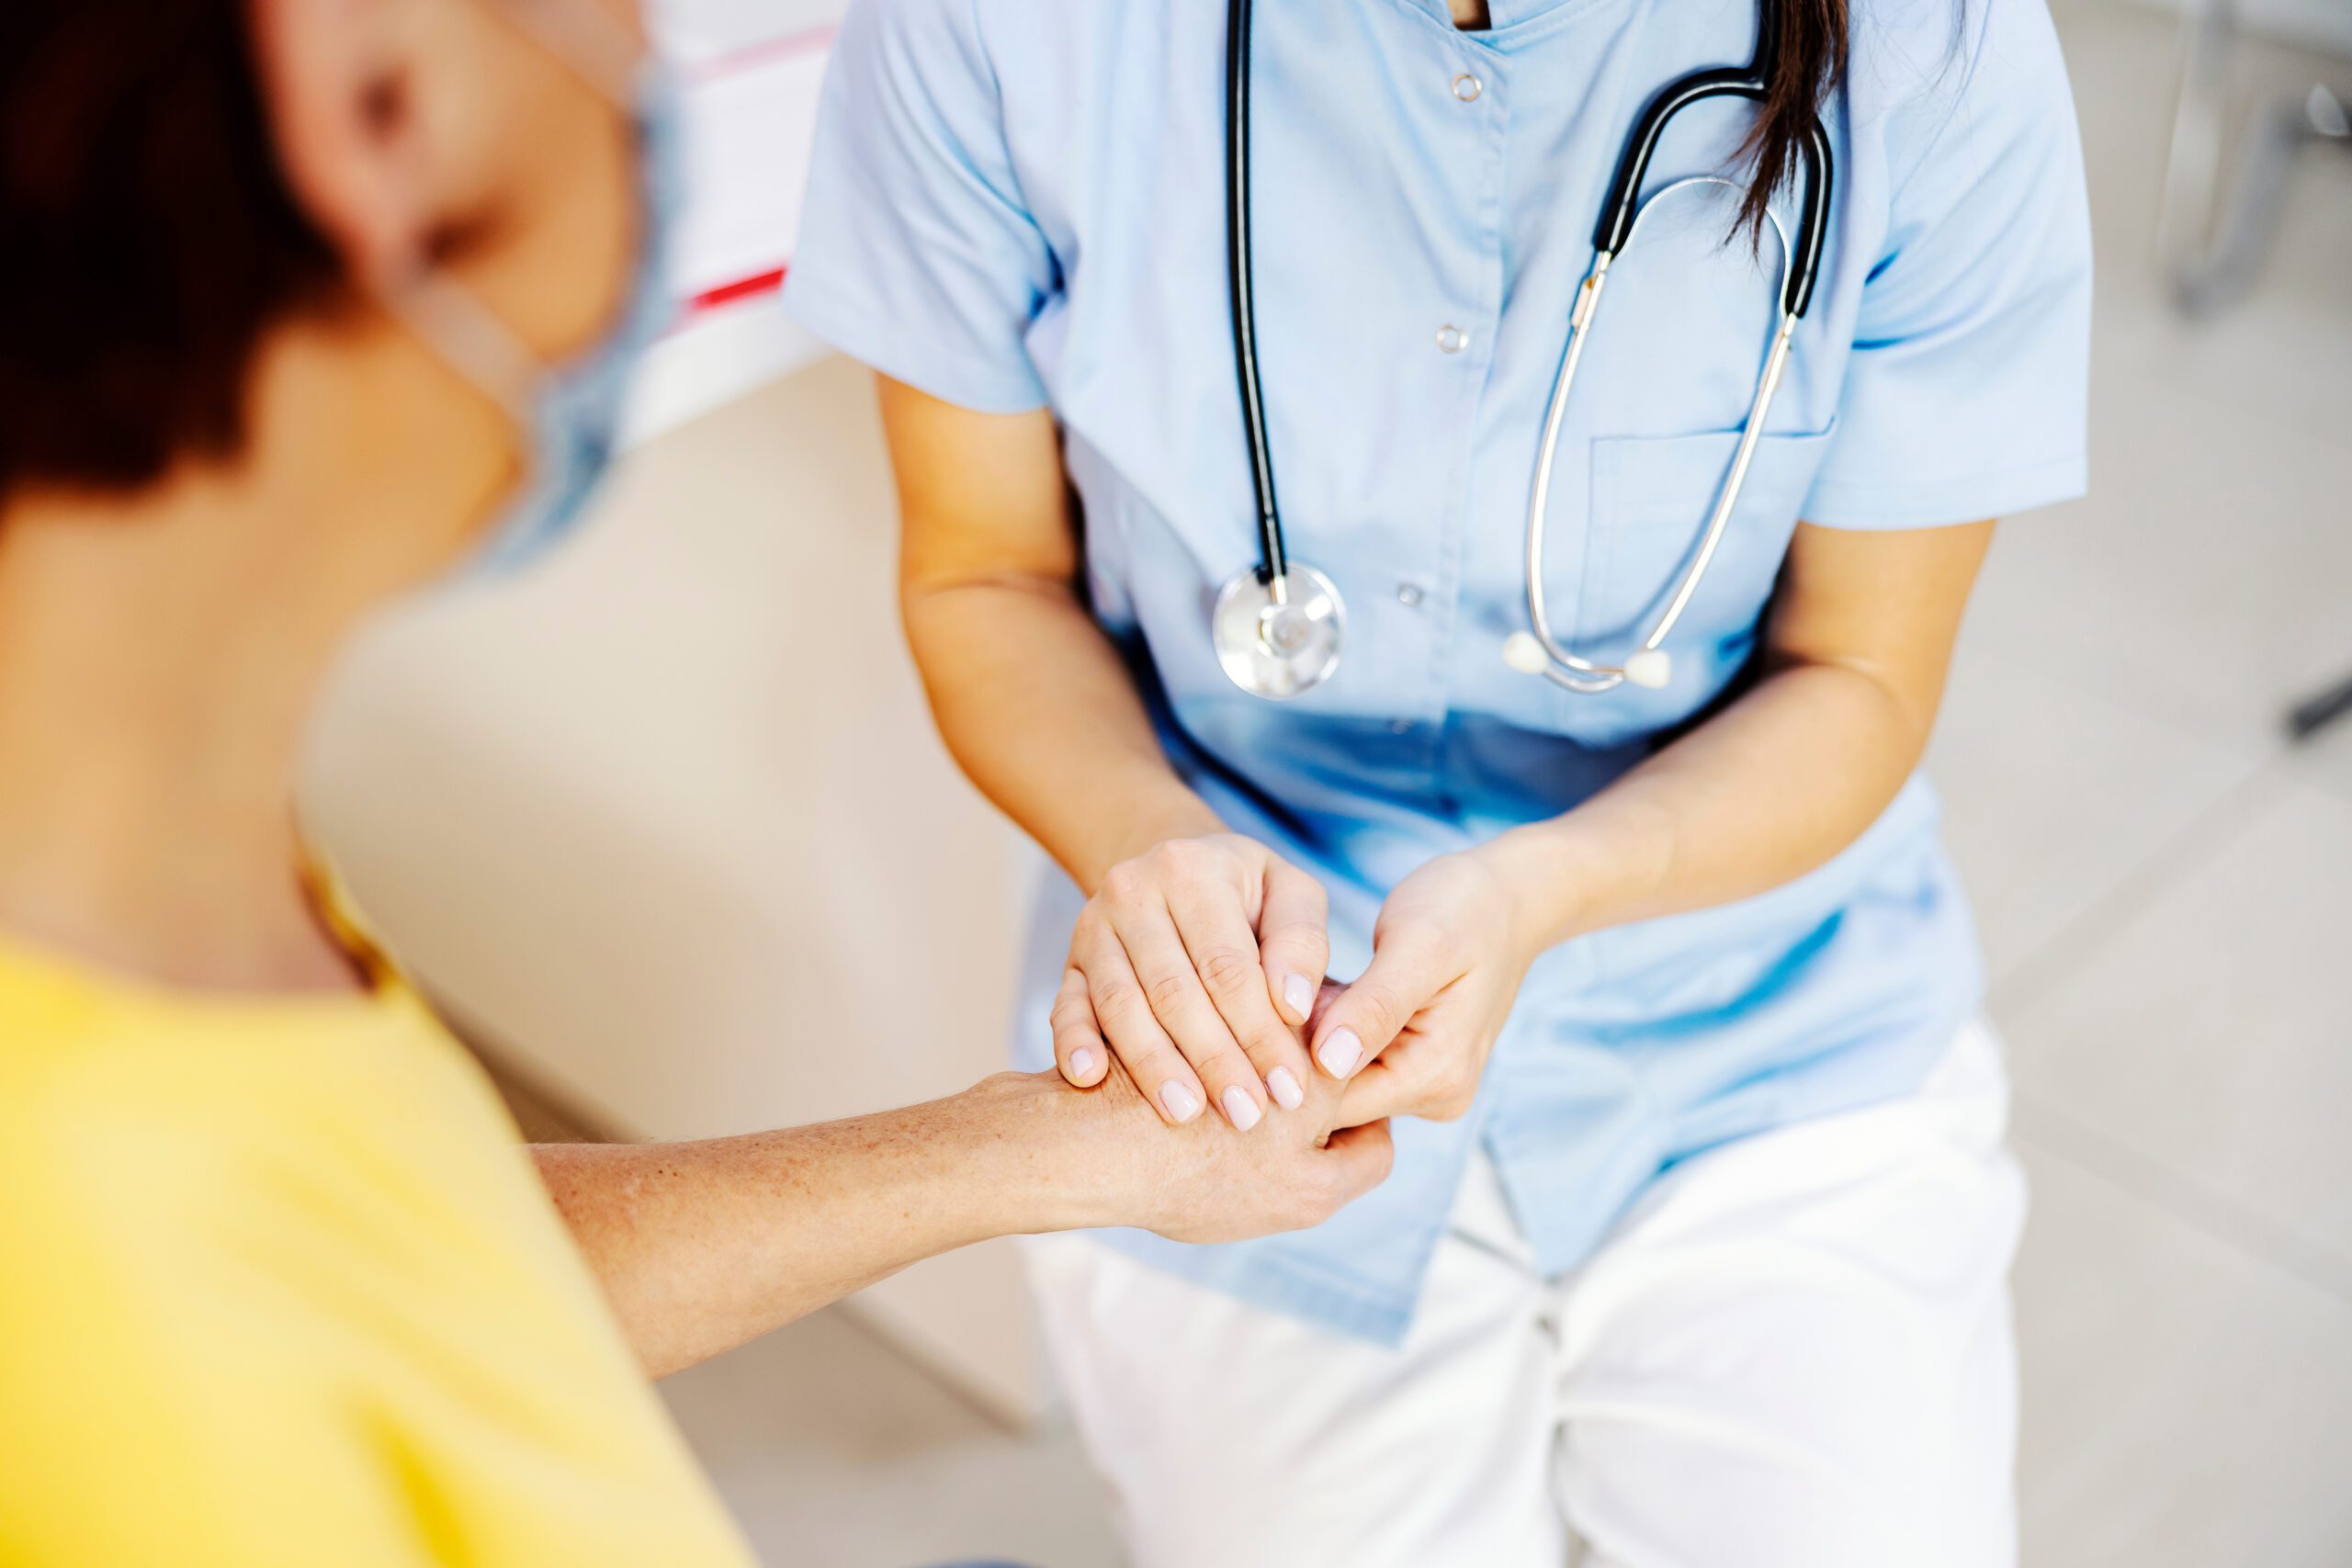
(1278,626)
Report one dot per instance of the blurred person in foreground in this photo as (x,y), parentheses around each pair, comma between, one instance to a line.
(309,302)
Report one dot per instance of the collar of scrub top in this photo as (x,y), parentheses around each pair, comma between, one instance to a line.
(1501,14)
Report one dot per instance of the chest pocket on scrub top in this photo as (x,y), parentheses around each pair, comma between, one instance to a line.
(1651,499)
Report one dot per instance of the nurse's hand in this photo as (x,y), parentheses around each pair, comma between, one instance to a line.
(1198,963)
(1410,1036)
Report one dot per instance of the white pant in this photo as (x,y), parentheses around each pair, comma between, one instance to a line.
(1794,1352)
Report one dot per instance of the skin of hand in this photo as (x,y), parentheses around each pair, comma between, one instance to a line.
(1411,1034)
(1203,1181)
(1197,962)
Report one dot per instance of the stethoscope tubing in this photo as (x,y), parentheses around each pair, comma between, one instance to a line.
(1567,669)
(1620,209)
(1621,219)
(1273,557)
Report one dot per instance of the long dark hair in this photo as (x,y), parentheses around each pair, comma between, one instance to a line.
(1801,48)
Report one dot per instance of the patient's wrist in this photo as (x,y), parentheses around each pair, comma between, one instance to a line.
(1058,1157)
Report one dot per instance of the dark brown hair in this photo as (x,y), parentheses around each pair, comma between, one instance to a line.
(1801,50)
(147,238)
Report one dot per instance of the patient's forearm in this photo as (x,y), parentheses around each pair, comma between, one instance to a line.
(703,1245)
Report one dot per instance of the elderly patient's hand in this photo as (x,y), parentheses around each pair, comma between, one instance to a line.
(1203,1181)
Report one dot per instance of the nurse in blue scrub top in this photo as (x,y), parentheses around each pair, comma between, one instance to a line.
(1697,1246)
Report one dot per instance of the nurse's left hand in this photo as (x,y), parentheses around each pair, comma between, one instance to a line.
(1413,1033)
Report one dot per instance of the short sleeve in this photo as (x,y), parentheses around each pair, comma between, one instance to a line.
(1967,390)
(916,254)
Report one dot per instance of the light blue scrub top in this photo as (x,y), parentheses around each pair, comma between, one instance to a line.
(1018,203)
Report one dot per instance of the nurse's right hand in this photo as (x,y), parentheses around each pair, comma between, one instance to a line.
(1197,963)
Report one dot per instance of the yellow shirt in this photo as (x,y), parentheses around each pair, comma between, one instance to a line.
(278,1285)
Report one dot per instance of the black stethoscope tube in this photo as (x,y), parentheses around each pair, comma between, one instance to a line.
(1273,562)
(1752,81)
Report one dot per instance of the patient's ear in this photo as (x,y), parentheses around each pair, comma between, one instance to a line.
(372,109)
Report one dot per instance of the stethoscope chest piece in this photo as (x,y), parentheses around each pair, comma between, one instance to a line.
(1279,637)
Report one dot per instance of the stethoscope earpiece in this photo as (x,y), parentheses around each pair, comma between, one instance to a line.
(1524,654)
(1652,668)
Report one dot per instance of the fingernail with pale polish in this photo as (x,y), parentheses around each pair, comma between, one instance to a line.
(1181,1104)
(1340,1053)
(1081,1064)
(1239,1108)
(1285,1089)
(1299,992)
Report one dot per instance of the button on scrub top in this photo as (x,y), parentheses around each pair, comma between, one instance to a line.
(1018,203)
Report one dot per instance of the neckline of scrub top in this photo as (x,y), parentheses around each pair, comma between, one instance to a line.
(1503,17)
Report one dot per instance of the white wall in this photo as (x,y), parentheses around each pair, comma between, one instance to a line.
(2315,24)
(668,819)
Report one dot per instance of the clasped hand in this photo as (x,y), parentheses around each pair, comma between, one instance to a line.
(1200,965)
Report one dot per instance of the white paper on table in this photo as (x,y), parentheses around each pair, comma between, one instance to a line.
(696,31)
(748,105)
(750,121)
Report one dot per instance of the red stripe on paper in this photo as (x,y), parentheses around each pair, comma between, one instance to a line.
(758,283)
(750,57)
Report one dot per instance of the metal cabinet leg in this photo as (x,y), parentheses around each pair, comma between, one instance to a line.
(2214,234)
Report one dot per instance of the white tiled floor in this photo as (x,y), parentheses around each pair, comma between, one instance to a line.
(834,1452)
(2167,893)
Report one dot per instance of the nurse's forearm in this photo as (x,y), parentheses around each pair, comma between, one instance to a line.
(1854,658)
(1029,694)
(701,1247)
(1772,788)
(1037,708)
